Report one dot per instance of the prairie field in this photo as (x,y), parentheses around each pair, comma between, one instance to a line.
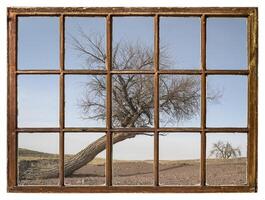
(134,172)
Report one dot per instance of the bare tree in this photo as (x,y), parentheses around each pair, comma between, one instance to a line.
(224,150)
(132,94)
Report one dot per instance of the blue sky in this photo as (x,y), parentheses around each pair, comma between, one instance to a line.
(38,43)
(38,48)
(73,25)
(181,37)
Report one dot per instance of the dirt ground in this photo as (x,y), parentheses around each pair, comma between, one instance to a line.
(219,172)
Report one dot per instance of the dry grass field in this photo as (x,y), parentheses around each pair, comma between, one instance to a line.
(182,172)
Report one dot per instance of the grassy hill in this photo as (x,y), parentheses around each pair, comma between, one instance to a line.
(31,153)
(26,154)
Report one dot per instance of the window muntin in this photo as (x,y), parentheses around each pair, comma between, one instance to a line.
(156,73)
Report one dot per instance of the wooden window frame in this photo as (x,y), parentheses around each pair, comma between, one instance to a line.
(251,129)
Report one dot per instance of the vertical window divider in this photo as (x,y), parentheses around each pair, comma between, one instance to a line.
(62,102)
(108,101)
(12,100)
(249,22)
(252,148)
(156,100)
(203,100)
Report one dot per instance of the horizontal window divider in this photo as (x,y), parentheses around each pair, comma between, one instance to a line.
(211,11)
(184,129)
(179,71)
(226,130)
(230,15)
(39,130)
(132,129)
(38,14)
(92,129)
(85,71)
(74,14)
(38,71)
(132,72)
(97,129)
(132,14)
(229,72)
(120,14)
(97,189)
(59,72)
(103,72)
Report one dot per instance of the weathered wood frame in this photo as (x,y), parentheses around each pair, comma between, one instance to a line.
(252,129)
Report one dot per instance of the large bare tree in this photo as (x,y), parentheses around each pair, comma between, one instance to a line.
(132,94)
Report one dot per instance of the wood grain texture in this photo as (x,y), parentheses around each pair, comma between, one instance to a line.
(12,101)
(203,101)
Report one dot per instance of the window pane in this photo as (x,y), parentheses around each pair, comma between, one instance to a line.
(37,160)
(85,158)
(38,99)
(180,98)
(132,159)
(38,43)
(229,106)
(85,101)
(180,42)
(179,158)
(226,43)
(85,43)
(133,43)
(132,100)
(226,159)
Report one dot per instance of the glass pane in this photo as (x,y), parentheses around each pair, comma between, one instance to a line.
(38,163)
(38,42)
(133,43)
(227,101)
(133,159)
(179,158)
(85,42)
(180,100)
(38,101)
(226,159)
(85,158)
(180,42)
(85,101)
(132,100)
(226,43)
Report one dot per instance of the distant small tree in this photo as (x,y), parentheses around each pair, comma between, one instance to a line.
(224,150)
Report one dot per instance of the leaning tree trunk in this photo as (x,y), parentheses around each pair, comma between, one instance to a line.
(81,158)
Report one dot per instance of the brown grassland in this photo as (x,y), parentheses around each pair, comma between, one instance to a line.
(179,172)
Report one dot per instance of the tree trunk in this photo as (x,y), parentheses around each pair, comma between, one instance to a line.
(81,158)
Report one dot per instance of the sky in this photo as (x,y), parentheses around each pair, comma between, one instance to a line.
(38,96)
(74,26)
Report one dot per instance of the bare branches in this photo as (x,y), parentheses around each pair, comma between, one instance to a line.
(131,56)
(132,95)
(180,96)
(222,150)
(89,46)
